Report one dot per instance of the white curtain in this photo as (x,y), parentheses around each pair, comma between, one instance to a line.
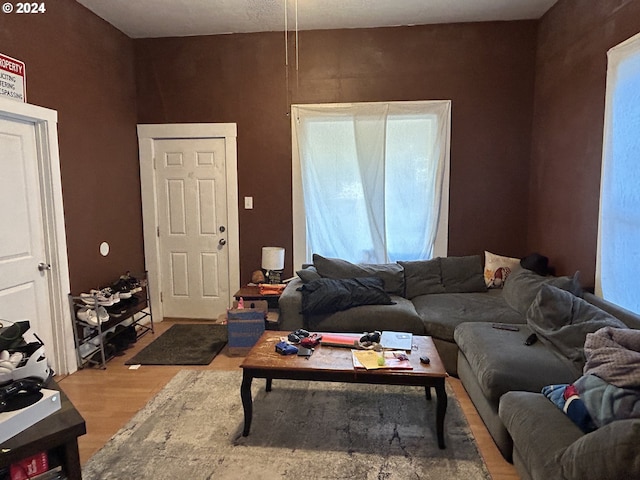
(617,276)
(372,178)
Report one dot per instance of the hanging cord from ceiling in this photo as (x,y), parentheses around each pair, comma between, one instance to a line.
(286,50)
(286,57)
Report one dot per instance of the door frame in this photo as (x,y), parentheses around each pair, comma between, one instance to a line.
(147,134)
(62,355)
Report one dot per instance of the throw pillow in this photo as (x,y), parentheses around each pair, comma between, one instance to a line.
(422,277)
(562,320)
(462,274)
(497,268)
(329,295)
(308,274)
(391,273)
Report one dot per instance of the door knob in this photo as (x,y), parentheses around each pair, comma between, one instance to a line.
(44,266)
(222,241)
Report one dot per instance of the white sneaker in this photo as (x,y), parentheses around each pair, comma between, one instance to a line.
(93,317)
(104,297)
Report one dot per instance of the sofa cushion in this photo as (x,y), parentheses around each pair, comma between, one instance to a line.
(328,295)
(523,285)
(540,433)
(391,273)
(609,452)
(562,321)
(502,362)
(422,277)
(497,268)
(443,312)
(308,274)
(462,274)
(401,316)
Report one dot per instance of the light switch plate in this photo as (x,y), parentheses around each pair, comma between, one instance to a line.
(248,203)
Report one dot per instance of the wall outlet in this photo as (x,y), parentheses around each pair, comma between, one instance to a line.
(248,203)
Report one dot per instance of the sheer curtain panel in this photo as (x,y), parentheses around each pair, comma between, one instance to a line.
(370,180)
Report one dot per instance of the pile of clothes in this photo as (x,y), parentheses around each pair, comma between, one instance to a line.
(609,388)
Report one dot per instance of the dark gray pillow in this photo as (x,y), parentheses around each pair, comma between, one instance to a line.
(308,274)
(422,277)
(463,274)
(391,273)
(328,295)
(562,321)
(523,285)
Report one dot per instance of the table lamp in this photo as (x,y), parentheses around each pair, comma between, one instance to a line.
(273,263)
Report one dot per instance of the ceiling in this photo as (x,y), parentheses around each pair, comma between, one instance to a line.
(179,18)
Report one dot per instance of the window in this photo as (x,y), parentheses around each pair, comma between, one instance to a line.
(370,180)
(617,277)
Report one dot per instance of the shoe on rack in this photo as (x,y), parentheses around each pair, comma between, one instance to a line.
(123,288)
(105,297)
(134,284)
(131,334)
(93,316)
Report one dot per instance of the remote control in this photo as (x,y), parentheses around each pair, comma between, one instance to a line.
(531,339)
(424,359)
(506,326)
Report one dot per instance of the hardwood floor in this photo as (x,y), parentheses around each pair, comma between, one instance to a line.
(107,399)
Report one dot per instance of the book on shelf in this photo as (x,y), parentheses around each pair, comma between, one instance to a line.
(388,359)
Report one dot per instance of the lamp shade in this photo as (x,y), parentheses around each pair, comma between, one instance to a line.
(272,258)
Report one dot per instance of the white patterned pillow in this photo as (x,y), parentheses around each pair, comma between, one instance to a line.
(497,268)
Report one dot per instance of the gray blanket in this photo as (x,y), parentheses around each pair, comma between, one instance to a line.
(606,402)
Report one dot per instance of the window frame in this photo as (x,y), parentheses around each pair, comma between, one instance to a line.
(615,57)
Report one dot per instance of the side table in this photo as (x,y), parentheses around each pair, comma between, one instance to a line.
(252,293)
(57,434)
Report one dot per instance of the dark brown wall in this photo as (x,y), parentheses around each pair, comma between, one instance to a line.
(571,67)
(82,67)
(486,69)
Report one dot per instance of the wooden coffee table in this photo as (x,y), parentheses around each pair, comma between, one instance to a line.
(335,364)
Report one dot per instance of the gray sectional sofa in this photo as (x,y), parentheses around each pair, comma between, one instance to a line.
(447,299)
(430,297)
(504,378)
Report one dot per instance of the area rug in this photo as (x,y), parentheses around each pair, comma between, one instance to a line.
(317,430)
(189,344)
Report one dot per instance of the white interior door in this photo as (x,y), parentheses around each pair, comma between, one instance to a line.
(24,287)
(225,178)
(192,226)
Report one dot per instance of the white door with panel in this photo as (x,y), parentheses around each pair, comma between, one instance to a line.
(192,226)
(24,287)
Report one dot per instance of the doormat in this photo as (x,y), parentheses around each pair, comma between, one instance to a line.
(189,344)
(317,430)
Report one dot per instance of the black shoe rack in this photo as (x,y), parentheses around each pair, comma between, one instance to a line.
(129,320)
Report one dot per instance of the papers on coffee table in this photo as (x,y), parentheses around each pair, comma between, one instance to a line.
(372,360)
(396,340)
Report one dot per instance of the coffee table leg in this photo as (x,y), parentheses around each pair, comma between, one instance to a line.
(427,392)
(441,410)
(268,386)
(247,401)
